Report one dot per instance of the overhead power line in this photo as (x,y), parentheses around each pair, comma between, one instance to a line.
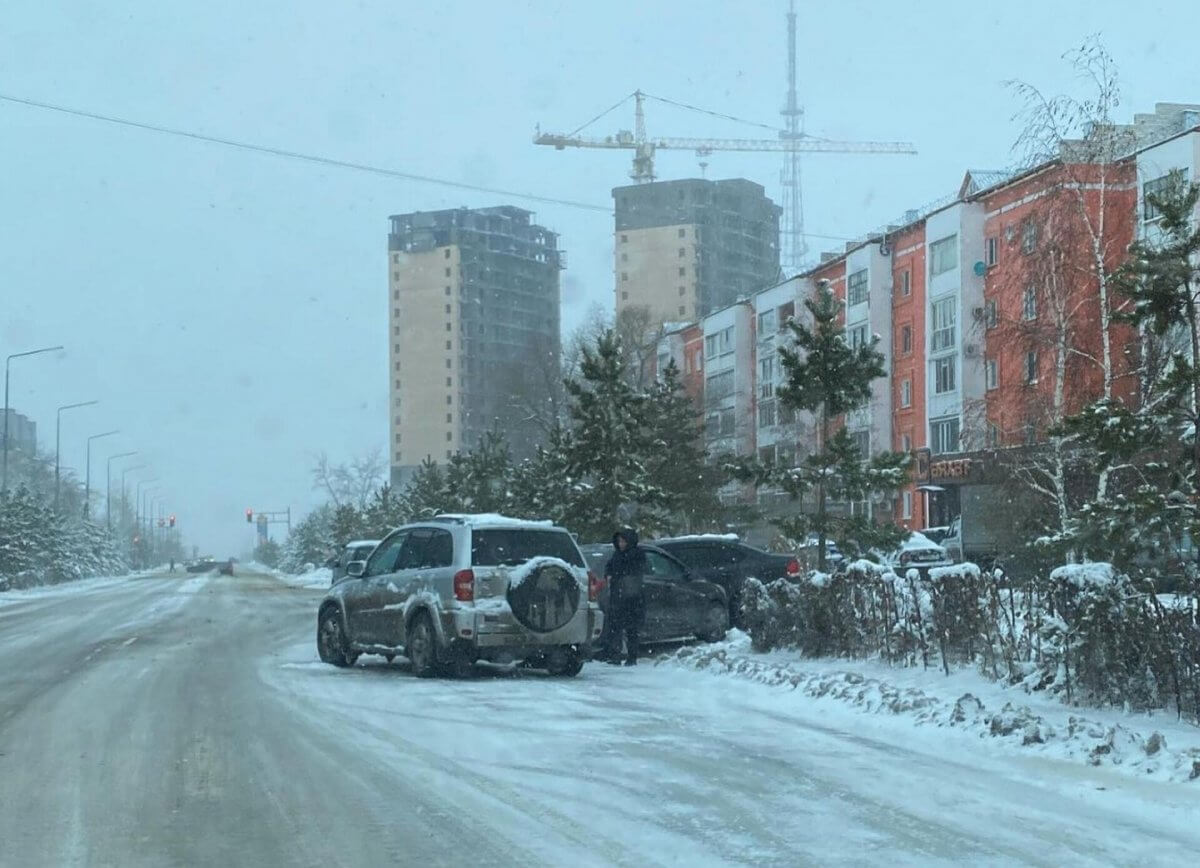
(298,155)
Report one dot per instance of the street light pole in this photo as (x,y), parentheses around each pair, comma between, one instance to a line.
(124,491)
(108,486)
(7,363)
(87,489)
(58,439)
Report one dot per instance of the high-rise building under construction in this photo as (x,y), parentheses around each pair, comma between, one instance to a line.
(685,248)
(473,329)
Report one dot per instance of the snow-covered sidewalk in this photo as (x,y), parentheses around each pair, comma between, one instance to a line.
(66,589)
(318,578)
(1155,746)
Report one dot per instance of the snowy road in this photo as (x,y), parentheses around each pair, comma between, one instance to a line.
(186,721)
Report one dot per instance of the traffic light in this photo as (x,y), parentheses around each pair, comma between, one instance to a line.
(171,520)
(249,516)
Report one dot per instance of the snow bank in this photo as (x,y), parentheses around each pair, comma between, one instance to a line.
(917,541)
(967,702)
(317,578)
(518,575)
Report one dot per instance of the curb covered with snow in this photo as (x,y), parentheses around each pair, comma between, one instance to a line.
(317,578)
(1067,734)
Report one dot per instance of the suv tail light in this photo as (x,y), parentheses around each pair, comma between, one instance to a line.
(464,586)
(595,585)
(793,567)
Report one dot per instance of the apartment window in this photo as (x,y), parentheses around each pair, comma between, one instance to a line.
(1029,303)
(624,275)
(396,258)
(396,347)
(857,336)
(683,233)
(727,423)
(710,346)
(682,310)
(989,255)
(906,393)
(449,345)
(1031,367)
(943,255)
(699,361)
(1029,236)
(906,282)
(396,294)
(1157,187)
(395,275)
(624,296)
(766,323)
(766,377)
(726,335)
(906,442)
(447,308)
(862,442)
(449,327)
(397,386)
(945,314)
(624,257)
(784,314)
(449,400)
(449,418)
(395,330)
(447,271)
(943,375)
(446,253)
(991,374)
(682,252)
(448,364)
(906,339)
(857,291)
(397,366)
(683,290)
(766,414)
(712,424)
(718,386)
(449,439)
(624,239)
(993,434)
(989,313)
(906,505)
(447,292)
(449,382)
(943,435)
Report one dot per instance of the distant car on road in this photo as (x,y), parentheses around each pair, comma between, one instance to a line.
(461,588)
(204,565)
(679,603)
(728,562)
(227,568)
(357,550)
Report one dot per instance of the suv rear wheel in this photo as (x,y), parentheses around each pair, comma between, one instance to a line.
(422,646)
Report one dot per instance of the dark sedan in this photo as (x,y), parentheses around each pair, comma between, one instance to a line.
(679,604)
(728,562)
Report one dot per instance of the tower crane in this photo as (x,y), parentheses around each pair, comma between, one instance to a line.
(792,142)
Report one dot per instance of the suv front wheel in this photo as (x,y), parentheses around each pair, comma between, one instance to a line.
(331,640)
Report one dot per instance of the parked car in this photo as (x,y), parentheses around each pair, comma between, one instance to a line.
(679,604)
(917,552)
(356,550)
(457,589)
(204,565)
(728,562)
(834,559)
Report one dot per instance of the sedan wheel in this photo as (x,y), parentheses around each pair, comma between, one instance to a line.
(331,642)
(716,623)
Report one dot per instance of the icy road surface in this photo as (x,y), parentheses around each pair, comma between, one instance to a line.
(186,722)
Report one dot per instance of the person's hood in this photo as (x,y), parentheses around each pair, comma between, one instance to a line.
(630,535)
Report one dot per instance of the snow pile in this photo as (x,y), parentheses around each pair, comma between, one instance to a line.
(519,575)
(1084,576)
(932,700)
(317,578)
(917,542)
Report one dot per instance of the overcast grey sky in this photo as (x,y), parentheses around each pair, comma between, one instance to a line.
(230,308)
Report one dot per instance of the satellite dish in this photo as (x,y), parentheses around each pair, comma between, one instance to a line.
(980,269)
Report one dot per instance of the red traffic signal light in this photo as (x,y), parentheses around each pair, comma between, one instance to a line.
(171,521)
(249,516)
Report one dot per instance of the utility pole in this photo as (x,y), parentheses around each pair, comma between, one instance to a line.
(58,440)
(87,489)
(7,364)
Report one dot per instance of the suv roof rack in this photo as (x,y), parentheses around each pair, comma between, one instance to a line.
(446,519)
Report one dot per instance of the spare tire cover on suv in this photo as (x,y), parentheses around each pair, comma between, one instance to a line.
(546,600)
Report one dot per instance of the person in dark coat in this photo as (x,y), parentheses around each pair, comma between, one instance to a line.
(626,599)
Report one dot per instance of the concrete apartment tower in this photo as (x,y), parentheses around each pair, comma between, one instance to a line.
(686,248)
(473,329)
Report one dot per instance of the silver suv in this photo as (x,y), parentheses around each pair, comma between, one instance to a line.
(460,588)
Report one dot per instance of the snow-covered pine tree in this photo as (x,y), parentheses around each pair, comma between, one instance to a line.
(611,447)
(477,481)
(311,540)
(677,465)
(1151,450)
(426,494)
(827,377)
(541,487)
